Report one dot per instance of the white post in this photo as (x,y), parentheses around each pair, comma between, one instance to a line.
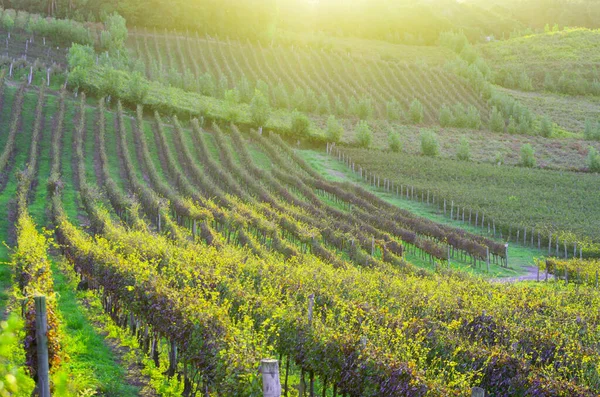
(270,377)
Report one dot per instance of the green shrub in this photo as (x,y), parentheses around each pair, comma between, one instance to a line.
(445,116)
(324,106)
(245,89)
(525,82)
(499,158)
(593,160)
(429,143)
(262,87)
(298,99)
(311,103)
(364,135)
(496,120)
(591,131)
(334,129)
(464,149)
(259,109)
(416,111)
(512,125)
(528,156)
(280,97)
(338,106)
(473,118)
(300,125)
(138,88)
(394,110)
(394,142)
(364,108)
(546,127)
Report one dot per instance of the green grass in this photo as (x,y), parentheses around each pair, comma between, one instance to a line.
(519,256)
(22,145)
(91,364)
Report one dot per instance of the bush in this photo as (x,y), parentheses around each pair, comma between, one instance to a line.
(300,125)
(499,158)
(311,103)
(473,118)
(334,129)
(364,136)
(298,99)
(429,143)
(525,82)
(280,97)
(464,149)
(445,116)
(259,109)
(546,127)
(592,131)
(416,111)
(338,106)
(324,106)
(394,110)
(245,90)
(394,142)
(138,88)
(593,160)
(512,125)
(364,108)
(528,156)
(496,120)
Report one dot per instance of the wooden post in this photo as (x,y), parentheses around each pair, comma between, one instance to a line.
(487,260)
(477,392)
(538,273)
(159,221)
(506,253)
(270,377)
(41,336)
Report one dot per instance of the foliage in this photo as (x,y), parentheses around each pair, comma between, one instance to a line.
(528,156)
(335,130)
(259,109)
(496,120)
(464,149)
(416,112)
(546,127)
(593,160)
(394,142)
(364,135)
(429,143)
(300,125)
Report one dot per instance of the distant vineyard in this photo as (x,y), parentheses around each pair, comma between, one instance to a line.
(309,80)
(550,203)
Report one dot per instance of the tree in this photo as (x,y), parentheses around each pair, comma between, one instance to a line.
(445,116)
(114,36)
(334,129)
(80,60)
(245,90)
(259,109)
(497,120)
(464,149)
(416,111)
(300,125)
(394,142)
(138,88)
(298,99)
(8,23)
(429,143)
(593,160)
(112,83)
(546,127)
(473,118)
(364,136)
(528,156)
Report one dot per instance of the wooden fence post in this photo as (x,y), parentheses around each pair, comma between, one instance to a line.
(41,338)
(270,377)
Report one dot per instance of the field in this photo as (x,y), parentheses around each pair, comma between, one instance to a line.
(565,61)
(512,197)
(307,79)
(179,228)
